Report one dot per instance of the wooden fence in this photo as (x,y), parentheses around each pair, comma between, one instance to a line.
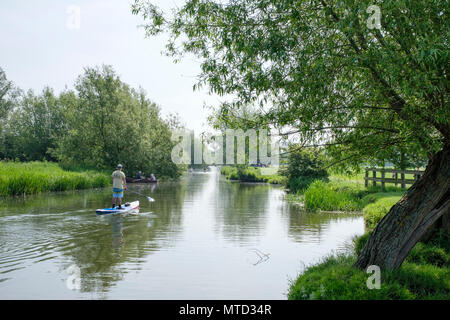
(394,174)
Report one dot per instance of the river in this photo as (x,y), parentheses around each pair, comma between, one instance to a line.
(203,238)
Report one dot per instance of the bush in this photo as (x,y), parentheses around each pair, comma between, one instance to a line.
(304,167)
(250,174)
(228,170)
(299,184)
(429,254)
(276,179)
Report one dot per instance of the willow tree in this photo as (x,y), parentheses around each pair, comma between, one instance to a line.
(364,78)
(108,122)
(9,96)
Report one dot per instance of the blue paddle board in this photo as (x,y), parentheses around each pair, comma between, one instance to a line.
(127,207)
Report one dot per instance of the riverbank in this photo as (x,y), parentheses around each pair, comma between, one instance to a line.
(251,174)
(18,178)
(345,193)
(425,273)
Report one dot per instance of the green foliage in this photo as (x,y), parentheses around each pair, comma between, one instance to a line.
(441,239)
(360,242)
(36,177)
(303,167)
(332,196)
(275,179)
(347,192)
(110,123)
(102,123)
(382,203)
(432,253)
(336,278)
(35,127)
(228,171)
(299,184)
(246,174)
(250,174)
(8,101)
(315,67)
(427,253)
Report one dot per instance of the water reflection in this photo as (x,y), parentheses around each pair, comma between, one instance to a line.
(203,237)
(241,210)
(313,227)
(116,222)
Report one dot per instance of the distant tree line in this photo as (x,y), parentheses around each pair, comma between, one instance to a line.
(98,124)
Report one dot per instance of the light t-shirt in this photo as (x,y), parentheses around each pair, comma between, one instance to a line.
(118,177)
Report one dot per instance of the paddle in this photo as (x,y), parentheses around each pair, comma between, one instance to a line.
(148,198)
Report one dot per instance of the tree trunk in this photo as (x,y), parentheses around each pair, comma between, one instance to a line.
(408,220)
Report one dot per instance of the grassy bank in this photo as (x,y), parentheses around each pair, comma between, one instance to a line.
(346,193)
(425,274)
(335,278)
(378,205)
(18,178)
(250,174)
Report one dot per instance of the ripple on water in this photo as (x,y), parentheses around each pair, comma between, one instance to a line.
(192,242)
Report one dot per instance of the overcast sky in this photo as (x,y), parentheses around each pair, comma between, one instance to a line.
(43,45)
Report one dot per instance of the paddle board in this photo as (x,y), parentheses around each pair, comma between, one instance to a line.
(127,207)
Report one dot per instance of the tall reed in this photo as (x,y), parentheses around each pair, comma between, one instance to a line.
(35,177)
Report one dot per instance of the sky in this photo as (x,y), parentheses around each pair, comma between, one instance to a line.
(49,42)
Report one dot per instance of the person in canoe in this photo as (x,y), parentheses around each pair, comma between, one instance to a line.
(152,177)
(119,184)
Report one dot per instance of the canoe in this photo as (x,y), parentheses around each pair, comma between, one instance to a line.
(146,180)
(127,207)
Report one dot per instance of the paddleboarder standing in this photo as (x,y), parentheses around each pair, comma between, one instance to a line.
(119,184)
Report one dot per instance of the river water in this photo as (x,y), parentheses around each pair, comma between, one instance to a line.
(203,238)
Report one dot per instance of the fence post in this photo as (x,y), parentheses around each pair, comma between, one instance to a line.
(366,181)
(374,173)
(382,180)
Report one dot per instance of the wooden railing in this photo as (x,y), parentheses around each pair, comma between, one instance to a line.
(394,174)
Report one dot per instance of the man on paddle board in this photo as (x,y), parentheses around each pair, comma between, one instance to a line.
(119,184)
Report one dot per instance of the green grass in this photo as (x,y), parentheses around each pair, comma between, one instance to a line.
(429,254)
(379,205)
(360,242)
(425,274)
(228,171)
(344,193)
(18,178)
(251,174)
(434,252)
(333,196)
(335,278)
